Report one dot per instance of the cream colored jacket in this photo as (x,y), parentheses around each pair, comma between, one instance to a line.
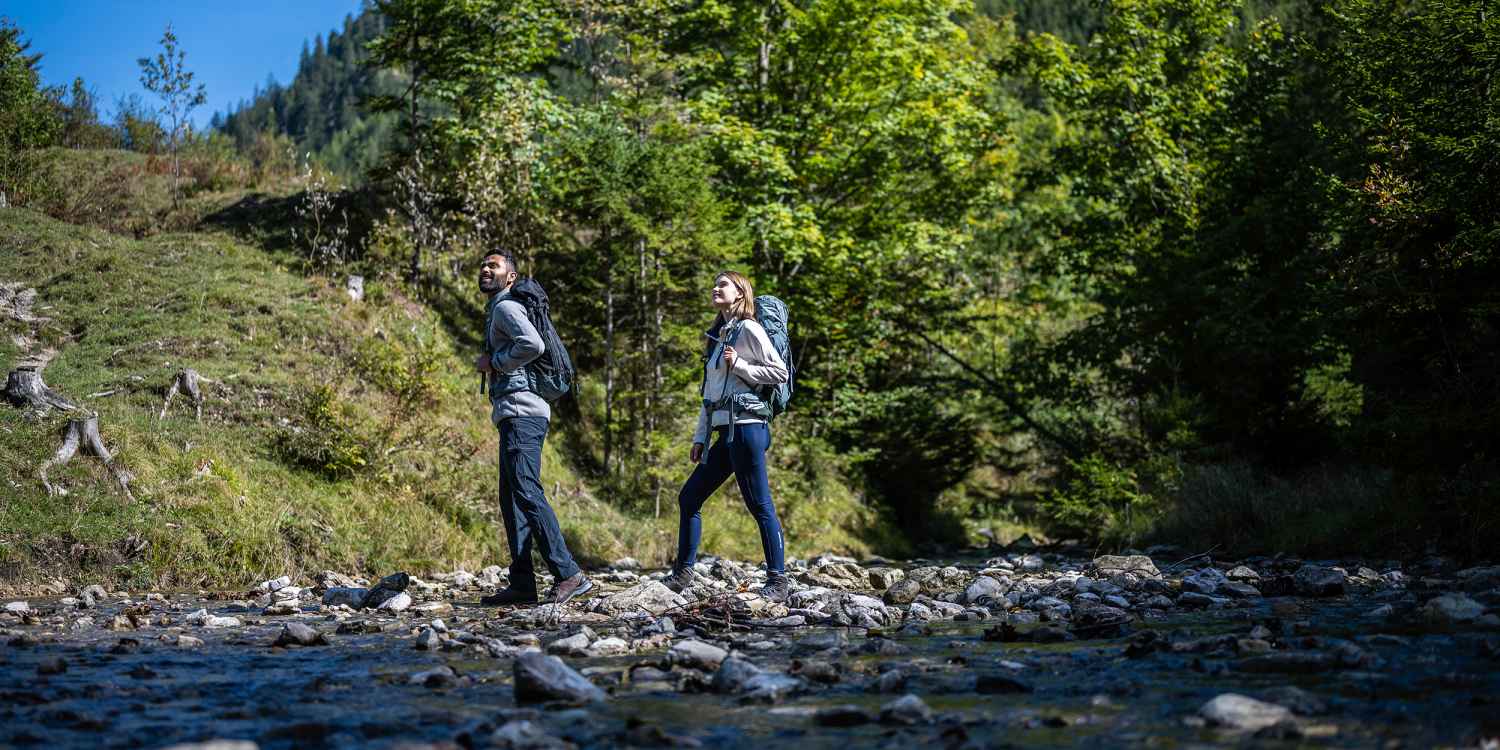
(756,364)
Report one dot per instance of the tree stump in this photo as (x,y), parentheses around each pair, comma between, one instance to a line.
(355,287)
(186,381)
(24,388)
(84,433)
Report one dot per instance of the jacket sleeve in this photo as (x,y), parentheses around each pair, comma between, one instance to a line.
(758,363)
(700,433)
(519,342)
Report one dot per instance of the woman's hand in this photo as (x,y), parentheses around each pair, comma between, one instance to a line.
(697,452)
(730,355)
(482,363)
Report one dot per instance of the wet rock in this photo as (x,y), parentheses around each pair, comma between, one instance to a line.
(883,578)
(740,677)
(697,655)
(187,641)
(650,597)
(984,589)
(92,596)
(1242,573)
(836,576)
(862,611)
(891,681)
(388,588)
(1100,621)
(1296,699)
(936,580)
(428,640)
(576,644)
(906,710)
(1030,563)
(1289,662)
(1205,581)
(17,608)
(1158,602)
(823,672)
(995,683)
(204,619)
(437,677)
(52,665)
(1452,609)
(1235,711)
(329,579)
(1315,580)
(521,734)
(349,597)
(1239,590)
(608,647)
(540,679)
(395,603)
(842,716)
(297,634)
(275,584)
(904,591)
(821,641)
(1194,600)
(1110,565)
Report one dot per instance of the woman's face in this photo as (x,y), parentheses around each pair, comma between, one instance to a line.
(725,293)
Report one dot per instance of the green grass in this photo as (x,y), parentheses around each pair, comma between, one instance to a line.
(220,504)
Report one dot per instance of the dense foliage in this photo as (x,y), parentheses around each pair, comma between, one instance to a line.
(1206,269)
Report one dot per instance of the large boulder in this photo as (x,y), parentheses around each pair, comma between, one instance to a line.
(985,589)
(697,654)
(904,591)
(540,678)
(863,611)
(883,578)
(651,597)
(935,580)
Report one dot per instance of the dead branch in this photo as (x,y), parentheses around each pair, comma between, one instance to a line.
(84,433)
(186,381)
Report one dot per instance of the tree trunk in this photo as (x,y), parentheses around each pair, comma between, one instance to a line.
(84,433)
(187,382)
(24,388)
(609,356)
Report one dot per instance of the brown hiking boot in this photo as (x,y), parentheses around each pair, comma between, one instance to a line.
(568,588)
(509,596)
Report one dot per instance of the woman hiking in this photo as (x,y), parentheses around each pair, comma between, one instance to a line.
(740,361)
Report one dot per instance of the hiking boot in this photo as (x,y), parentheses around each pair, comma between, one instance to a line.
(678,580)
(509,596)
(568,588)
(777,589)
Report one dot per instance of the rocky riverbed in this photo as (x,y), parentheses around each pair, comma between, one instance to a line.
(1024,648)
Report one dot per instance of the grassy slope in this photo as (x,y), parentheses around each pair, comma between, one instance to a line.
(216,502)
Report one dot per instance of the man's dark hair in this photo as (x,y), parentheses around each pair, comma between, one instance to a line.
(510,260)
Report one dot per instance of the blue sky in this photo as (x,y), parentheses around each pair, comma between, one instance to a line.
(231,46)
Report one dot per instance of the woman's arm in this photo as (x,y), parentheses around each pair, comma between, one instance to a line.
(759,364)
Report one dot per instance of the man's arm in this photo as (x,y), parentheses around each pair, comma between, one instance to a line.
(522,341)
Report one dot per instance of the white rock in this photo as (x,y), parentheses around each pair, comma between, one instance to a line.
(611,646)
(1234,711)
(18,608)
(397,603)
(1452,608)
(697,654)
(275,584)
(650,596)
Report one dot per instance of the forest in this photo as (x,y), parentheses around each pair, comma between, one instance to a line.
(1215,273)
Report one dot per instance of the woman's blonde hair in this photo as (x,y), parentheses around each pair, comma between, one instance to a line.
(744,307)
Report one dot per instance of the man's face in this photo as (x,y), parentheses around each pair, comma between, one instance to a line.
(495,275)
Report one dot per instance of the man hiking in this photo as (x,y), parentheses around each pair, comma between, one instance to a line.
(522,416)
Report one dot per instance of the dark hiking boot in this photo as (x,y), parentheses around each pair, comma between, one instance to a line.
(509,597)
(777,589)
(568,588)
(678,580)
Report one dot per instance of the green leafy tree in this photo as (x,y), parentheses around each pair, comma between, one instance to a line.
(28,117)
(168,78)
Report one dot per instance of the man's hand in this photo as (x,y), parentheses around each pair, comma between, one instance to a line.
(482,363)
(697,452)
(730,355)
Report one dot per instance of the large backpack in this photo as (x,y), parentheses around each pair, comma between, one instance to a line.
(551,375)
(771,313)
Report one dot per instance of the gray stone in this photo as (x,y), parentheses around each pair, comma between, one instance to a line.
(1243,573)
(837,576)
(908,709)
(892,681)
(608,647)
(1237,590)
(1206,581)
(649,596)
(92,596)
(883,578)
(17,608)
(1111,565)
(204,619)
(520,734)
(187,641)
(1315,580)
(1452,609)
(388,588)
(901,592)
(349,597)
(984,589)
(400,601)
(428,640)
(740,677)
(1235,711)
(576,644)
(862,611)
(540,678)
(842,716)
(297,634)
(697,655)
(1201,601)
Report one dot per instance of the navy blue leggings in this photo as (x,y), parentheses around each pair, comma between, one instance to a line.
(745,457)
